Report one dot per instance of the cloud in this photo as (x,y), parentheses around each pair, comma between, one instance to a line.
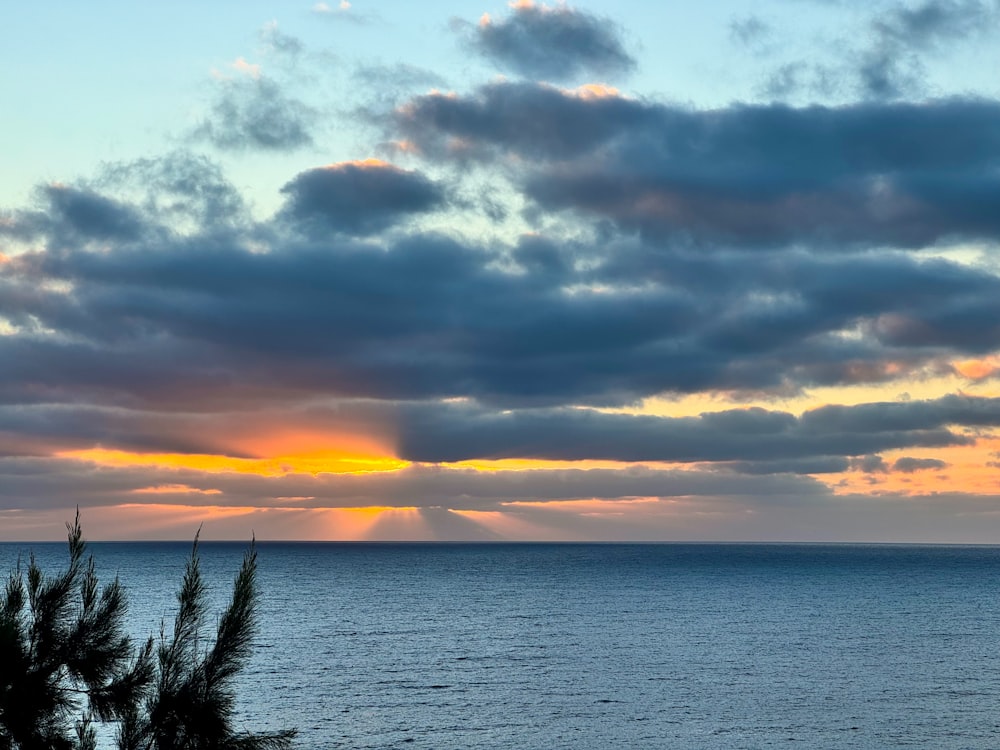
(810,465)
(908,465)
(242,67)
(536,121)
(906,415)
(387,84)
(754,434)
(792,78)
(358,197)
(869,464)
(397,75)
(899,40)
(175,188)
(235,311)
(750,441)
(934,22)
(253,112)
(555,43)
(866,174)
(76,215)
(751,32)
(52,483)
(341,11)
(892,67)
(277,42)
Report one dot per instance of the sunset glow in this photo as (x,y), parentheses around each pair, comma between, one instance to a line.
(316,462)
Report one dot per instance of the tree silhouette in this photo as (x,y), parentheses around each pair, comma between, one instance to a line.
(193,702)
(65,662)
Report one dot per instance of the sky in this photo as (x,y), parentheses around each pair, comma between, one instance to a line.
(597,271)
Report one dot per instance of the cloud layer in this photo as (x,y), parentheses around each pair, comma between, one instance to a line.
(903,175)
(556,43)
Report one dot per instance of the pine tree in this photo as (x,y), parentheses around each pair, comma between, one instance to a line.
(65,663)
(192,704)
(65,660)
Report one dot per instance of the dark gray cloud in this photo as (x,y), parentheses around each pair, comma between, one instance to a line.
(209,316)
(556,43)
(810,465)
(256,113)
(32,429)
(903,35)
(886,72)
(358,197)
(750,441)
(73,216)
(524,119)
(91,215)
(906,415)
(905,175)
(756,435)
(871,464)
(908,465)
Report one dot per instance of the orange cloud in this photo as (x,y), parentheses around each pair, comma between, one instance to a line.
(968,470)
(369,163)
(595,91)
(977,369)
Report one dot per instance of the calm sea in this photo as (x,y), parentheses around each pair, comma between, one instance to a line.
(448,646)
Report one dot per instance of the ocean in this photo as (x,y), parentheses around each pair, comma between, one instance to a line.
(597,646)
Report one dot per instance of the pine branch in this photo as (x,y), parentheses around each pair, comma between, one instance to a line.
(63,649)
(125,691)
(264,741)
(191,601)
(236,627)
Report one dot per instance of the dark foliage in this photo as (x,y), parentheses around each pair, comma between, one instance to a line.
(65,660)
(65,663)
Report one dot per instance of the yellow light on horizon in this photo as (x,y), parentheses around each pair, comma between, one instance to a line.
(174,489)
(316,462)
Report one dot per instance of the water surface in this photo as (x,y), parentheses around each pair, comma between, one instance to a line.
(686,646)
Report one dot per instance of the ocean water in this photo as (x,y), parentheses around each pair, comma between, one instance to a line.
(448,646)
